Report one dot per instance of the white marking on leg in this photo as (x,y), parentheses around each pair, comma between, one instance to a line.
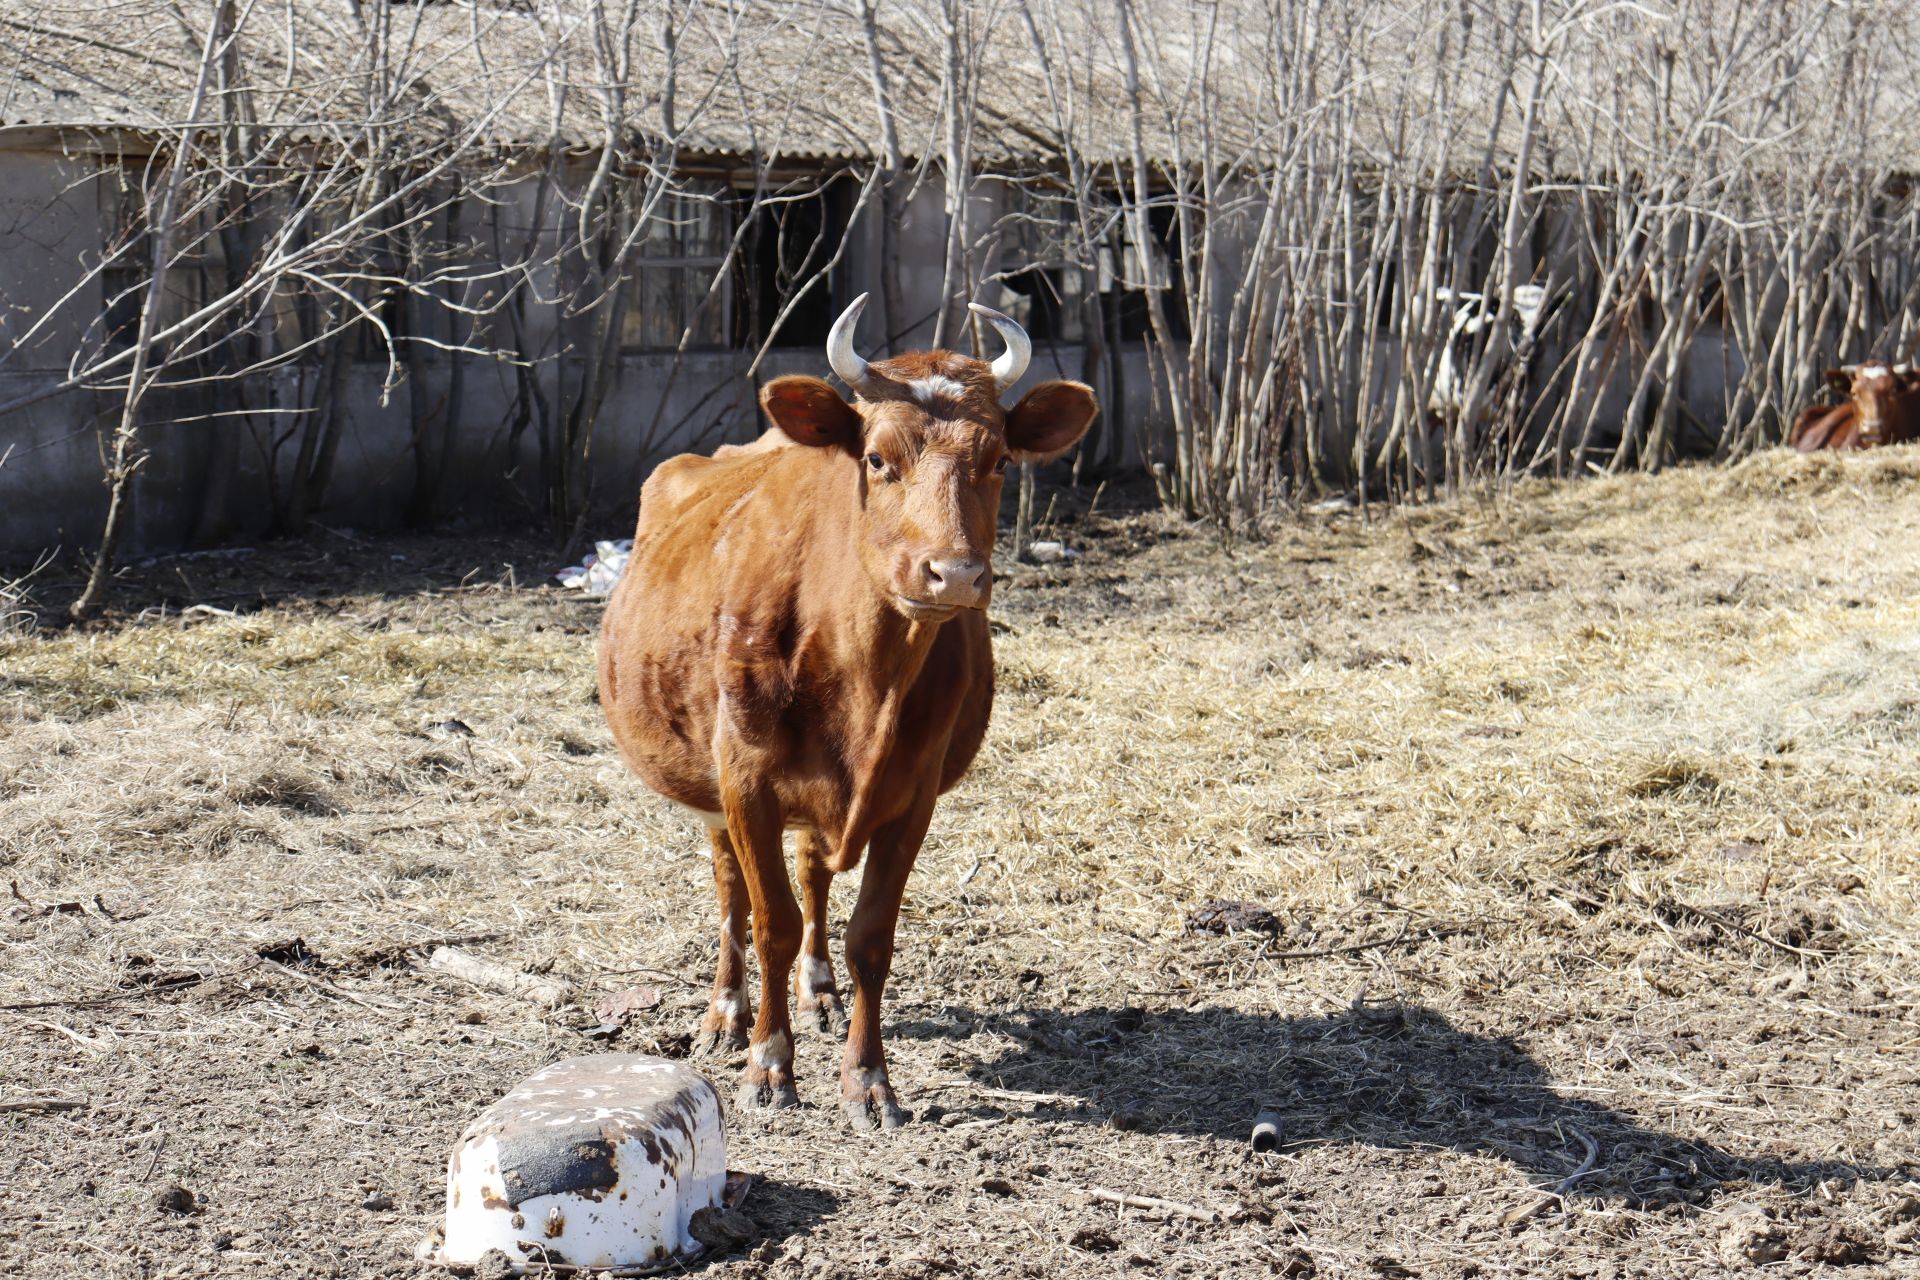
(728,1006)
(734,943)
(870,1077)
(775,1053)
(816,976)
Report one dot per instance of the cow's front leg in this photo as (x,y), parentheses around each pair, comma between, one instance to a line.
(865,1092)
(754,824)
(729,1013)
(819,998)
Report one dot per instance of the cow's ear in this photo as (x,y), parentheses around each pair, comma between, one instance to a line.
(811,412)
(1049,420)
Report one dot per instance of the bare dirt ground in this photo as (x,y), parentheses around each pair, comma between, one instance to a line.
(1587,818)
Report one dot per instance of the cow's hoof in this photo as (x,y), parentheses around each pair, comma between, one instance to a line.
(875,1108)
(823,1013)
(766,1095)
(718,1042)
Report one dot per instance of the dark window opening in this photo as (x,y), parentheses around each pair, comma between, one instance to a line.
(1123,275)
(1049,303)
(782,267)
(1042,268)
(125,204)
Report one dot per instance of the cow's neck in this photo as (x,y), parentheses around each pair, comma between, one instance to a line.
(879,655)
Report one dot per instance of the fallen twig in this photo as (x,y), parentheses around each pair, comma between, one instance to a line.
(548,993)
(1586,1165)
(1734,926)
(1128,1201)
(379,954)
(30,1106)
(1558,1195)
(173,983)
(1527,1212)
(1406,935)
(1358,1006)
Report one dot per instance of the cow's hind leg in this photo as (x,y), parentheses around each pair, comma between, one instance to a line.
(819,999)
(729,1015)
(754,823)
(866,1094)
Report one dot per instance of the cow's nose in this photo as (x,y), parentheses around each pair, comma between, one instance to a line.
(960,581)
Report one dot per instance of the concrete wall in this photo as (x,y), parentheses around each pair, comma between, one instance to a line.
(52,494)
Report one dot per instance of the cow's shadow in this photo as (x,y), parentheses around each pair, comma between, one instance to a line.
(1406,1079)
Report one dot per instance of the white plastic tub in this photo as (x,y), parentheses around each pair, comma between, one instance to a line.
(599,1161)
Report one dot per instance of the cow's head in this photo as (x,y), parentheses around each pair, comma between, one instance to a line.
(932,444)
(1883,400)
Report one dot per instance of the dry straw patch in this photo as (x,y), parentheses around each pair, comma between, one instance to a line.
(1601,796)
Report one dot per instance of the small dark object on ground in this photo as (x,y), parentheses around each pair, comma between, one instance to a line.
(1833,1244)
(494,1264)
(377,1201)
(1269,1131)
(1225,916)
(1293,1262)
(721,1229)
(288,951)
(28,908)
(452,728)
(175,1200)
(1093,1240)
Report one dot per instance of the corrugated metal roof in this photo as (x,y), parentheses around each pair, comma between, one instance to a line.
(791,77)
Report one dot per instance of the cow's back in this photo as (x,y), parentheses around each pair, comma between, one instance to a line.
(1825,427)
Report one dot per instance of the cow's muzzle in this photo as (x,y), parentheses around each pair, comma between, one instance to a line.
(953,581)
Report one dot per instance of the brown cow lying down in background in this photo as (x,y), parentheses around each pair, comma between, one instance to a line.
(1882,407)
(800,641)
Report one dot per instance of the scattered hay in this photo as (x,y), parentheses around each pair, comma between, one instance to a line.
(1671,776)
(1609,805)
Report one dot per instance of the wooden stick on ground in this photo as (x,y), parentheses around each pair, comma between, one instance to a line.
(548,993)
(32,1106)
(180,982)
(1149,1202)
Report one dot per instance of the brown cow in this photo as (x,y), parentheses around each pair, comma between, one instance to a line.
(800,641)
(1882,407)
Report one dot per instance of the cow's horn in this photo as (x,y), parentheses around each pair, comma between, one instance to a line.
(841,357)
(1012,363)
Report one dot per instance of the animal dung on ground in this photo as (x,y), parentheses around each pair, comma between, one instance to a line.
(1225,916)
(600,1161)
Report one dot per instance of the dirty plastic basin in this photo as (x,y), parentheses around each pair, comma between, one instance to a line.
(599,1161)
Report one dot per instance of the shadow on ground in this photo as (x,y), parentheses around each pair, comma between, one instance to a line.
(1402,1079)
(784,1209)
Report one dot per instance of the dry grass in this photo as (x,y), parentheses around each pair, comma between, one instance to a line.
(1587,814)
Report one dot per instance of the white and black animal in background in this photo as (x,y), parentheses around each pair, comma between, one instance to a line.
(1472,314)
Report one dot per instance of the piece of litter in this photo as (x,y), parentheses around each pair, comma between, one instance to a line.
(1051,552)
(597,573)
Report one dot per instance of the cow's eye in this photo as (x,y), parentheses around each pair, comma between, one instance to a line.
(877,462)
(1000,467)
